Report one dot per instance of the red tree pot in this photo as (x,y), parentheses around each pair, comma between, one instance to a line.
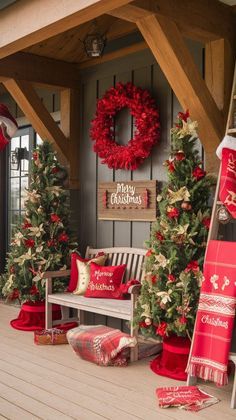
(32,316)
(173,360)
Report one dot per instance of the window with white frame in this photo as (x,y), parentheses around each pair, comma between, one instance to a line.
(20,153)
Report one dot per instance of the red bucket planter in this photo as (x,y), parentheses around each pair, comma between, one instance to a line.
(173,360)
(32,316)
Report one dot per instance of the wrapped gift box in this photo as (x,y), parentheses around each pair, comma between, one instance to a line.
(51,336)
(55,335)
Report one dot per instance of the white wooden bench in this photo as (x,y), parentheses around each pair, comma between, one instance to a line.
(122,309)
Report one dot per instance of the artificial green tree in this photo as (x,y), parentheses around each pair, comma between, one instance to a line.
(41,241)
(173,264)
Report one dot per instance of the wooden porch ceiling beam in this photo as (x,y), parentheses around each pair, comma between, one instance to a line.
(201,19)
(28,22)
(28,100)
(170,51)
(40,70)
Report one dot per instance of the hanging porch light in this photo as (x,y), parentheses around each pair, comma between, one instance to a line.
(94,45)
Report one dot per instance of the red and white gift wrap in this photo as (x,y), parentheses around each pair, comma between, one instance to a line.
(56,335)
(216,313)
(188,397)
(8,126)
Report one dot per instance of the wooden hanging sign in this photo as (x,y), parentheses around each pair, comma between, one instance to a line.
(132,200)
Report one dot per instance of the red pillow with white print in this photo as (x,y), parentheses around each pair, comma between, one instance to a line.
(105,281)
(74,270)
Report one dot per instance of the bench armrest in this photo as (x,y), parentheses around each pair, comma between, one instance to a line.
(58,273)
(135,289)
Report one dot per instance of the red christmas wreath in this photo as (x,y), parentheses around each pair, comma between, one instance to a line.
(142,108)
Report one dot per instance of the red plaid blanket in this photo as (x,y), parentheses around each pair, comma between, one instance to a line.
(100,344)
(188,397)
(216,313)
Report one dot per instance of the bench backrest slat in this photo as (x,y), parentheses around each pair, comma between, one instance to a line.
(133,257)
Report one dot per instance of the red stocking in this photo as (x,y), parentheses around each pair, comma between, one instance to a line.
(228,180)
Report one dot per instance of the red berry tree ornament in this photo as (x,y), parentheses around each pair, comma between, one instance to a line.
(147,127)
(168,301)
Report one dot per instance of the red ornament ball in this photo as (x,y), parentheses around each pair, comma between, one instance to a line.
(29,243)
(172,212)
(180,155)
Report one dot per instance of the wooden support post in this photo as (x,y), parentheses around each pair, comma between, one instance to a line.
(70,117)
(219,70)
(168,47)
(33,108)
(3,208)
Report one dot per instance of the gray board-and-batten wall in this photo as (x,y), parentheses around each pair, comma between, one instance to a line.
(141,69)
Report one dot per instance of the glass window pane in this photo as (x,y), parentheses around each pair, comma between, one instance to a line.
(38,140)
(24,185)
(14,195)
(14,218)
(15,142)
(24,166)
(25,154)
(25,141)
(15,170)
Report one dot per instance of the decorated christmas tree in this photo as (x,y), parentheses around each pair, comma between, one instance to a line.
(173,264)
(41,242)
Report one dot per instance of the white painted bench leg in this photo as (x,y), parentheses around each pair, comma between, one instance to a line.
(81,317)
(65,314)
(48,306)
(191,380)
(134,350)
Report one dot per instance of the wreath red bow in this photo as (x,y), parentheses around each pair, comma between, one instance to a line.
(147,127)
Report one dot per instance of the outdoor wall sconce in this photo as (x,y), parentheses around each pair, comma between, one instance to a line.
(17,155)
(94,44)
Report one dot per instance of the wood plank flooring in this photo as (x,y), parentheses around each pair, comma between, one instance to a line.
(51,382)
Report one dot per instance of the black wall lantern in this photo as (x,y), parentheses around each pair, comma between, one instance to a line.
(17,155)
(94,44)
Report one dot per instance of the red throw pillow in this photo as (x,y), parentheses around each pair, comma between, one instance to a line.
(74,270)
(105,281)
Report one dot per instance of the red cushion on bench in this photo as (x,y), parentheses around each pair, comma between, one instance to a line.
(105,281)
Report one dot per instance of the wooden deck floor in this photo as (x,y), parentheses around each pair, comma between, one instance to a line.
(51,382)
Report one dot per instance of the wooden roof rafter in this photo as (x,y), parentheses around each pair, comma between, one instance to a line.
(201,20)
(40,70)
